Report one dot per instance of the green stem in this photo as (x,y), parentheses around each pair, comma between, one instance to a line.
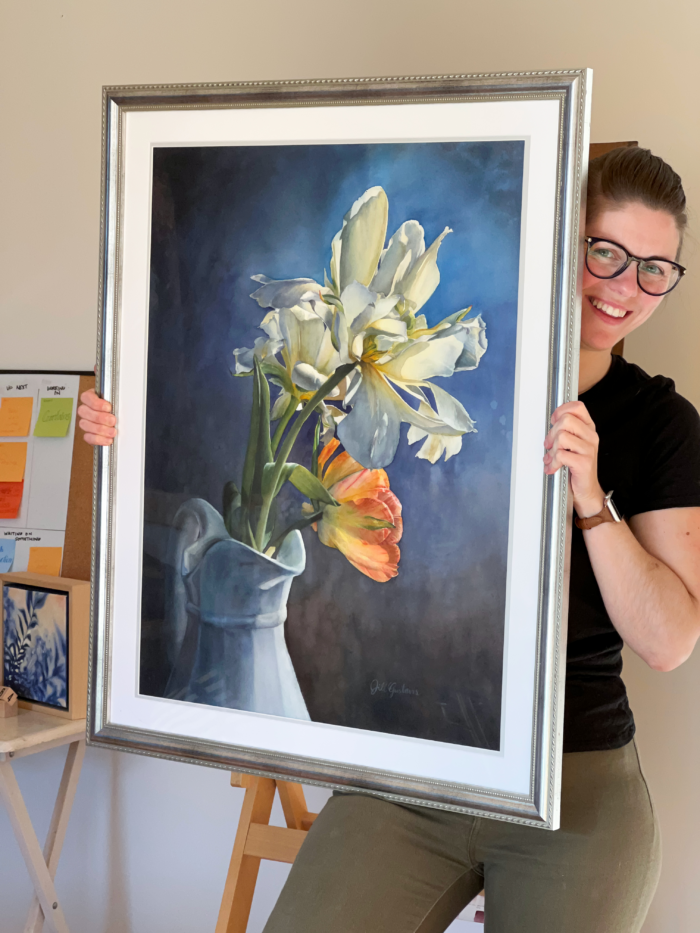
(289,440)
(298,525)
(283,422)
(314,455)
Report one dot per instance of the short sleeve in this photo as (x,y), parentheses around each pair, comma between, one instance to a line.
(670,474)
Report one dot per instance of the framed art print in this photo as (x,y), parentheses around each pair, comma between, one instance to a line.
(45,630)
(335,319)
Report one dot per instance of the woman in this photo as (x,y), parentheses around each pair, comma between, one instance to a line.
(371,865)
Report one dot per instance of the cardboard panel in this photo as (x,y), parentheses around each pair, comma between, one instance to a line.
(78,543)
(78,640)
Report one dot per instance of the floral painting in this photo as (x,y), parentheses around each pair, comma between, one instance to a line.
(35,643)
(331,366)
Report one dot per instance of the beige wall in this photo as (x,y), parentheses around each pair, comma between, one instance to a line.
(55,56)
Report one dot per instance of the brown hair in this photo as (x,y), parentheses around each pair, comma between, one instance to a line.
(632,174)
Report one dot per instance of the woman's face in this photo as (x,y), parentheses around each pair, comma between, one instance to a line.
(643,232)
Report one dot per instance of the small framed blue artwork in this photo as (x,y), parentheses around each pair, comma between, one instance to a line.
(36,633)
(43,648)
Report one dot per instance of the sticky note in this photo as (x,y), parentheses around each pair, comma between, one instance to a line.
(54,417)
(15,416)
(10,499)
(45,560)
(7,554)
(13,459)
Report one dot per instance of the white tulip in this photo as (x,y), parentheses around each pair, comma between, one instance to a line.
(367,315)
(357,246)
(453,413)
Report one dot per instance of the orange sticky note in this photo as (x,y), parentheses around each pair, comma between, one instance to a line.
(13,459)
(10,499)
(45,560)
(15,416)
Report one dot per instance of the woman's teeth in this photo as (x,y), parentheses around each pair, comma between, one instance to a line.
(607,309)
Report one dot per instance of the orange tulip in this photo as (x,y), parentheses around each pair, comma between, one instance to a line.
(367,524)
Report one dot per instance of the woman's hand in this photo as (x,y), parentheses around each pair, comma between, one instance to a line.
(96,419)
(573,442)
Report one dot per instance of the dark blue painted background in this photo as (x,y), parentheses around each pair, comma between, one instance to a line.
(221,215)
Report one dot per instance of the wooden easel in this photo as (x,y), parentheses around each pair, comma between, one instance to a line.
(256,840)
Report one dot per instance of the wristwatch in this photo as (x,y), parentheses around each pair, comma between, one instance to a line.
(607,514)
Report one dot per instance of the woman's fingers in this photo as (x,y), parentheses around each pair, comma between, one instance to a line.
(585,454)
(96,419)
(576,462)
(569,423)
(577,409)
(98,440)
(92,400)
(573,442)
(94,427)
(567,441)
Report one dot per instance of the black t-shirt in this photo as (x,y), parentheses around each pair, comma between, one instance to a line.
(649,455)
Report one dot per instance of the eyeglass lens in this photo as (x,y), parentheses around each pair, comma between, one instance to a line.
(654,275)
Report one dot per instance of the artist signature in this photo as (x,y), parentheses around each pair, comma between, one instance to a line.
(392,689)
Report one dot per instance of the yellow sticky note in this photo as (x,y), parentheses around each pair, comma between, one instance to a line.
(13,459)
(15,416)
(45,560)
(54,417)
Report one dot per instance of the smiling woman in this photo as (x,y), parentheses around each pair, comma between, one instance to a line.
(637,582)
(368,863)
(636,208)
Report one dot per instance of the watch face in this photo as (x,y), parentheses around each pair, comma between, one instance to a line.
(610,505)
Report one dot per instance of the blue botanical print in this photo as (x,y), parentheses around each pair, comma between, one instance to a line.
(35,656)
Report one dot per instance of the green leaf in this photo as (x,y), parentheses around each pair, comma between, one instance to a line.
(269,475)
(374,524)
(278,375)
(332,300)
(313,488)
(317,442)
(251,451)
(232,503)
(284,421)
(298,525)
(263,448)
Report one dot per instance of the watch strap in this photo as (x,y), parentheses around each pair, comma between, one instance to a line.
(607,514)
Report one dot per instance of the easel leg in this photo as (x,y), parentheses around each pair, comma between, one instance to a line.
(293,804)
(31,850)
(59,824)
(243,869)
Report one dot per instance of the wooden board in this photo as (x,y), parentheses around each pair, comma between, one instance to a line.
(29,731)
(78,542)
(78,640)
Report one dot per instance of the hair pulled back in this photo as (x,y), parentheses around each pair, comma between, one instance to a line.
(622,176)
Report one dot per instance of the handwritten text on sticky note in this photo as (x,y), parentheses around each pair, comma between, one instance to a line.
(7,554)
(13,460)
(45,560)
(54,417)
(15,416)
(10,499)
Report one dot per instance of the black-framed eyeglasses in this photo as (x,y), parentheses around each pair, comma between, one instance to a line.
(655,275)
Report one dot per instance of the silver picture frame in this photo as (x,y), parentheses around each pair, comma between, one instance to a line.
(571,91)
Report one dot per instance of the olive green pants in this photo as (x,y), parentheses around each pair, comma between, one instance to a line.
(370,866)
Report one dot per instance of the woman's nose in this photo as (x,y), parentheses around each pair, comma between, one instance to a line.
(626,284)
